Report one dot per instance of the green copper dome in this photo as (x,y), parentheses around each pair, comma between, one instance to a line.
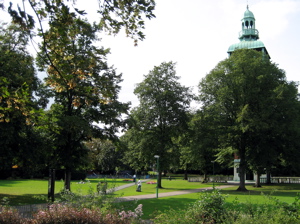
(248,36)
(252,44)
(248,14)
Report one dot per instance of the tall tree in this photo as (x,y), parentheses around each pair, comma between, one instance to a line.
(84,87)
(161,116)
(18,85)
(198,145)
(246,95)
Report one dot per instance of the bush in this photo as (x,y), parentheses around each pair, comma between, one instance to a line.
(9,216)
(63,214)
(208,209)
(211,208)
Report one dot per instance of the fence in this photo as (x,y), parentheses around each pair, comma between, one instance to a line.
(217,179)
(282,180)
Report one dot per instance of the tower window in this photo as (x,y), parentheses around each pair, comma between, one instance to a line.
(251,24)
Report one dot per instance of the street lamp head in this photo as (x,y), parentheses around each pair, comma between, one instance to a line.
(156,156)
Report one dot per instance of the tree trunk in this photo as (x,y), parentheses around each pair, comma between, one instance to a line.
(185,175)
(242,186)
(159,179)
(204,177)
(242,167)
(268,177)
(68,179)
(257,181)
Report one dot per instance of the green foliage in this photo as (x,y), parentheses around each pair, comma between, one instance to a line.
(19,108)
(130,16)
(113,15)
(198,144)
(251,105)
(209,208)
(212,208)
(58,213)
(161,117)
(270,211)
(104,155)
(84,87)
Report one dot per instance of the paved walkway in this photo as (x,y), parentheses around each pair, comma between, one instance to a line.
(167,194)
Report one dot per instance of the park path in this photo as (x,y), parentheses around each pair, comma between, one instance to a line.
(168,194)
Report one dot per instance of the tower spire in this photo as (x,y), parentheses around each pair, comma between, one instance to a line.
(248,27)
(249,36)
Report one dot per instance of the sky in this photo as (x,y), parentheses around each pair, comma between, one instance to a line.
(196,34)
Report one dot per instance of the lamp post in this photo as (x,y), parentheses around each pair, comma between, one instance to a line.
(157,157)
(213,162)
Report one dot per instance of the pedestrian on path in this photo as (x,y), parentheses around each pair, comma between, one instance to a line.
(139,187)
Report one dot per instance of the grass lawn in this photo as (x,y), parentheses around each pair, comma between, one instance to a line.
(27,191)
(21,191)
(283,192)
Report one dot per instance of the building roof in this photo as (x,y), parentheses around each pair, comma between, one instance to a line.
(249,35)
(248,14)
(248,44)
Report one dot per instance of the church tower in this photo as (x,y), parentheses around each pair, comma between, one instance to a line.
(249,36)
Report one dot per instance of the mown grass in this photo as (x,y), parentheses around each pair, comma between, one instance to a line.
(20,192)
(283,192)
(30,191)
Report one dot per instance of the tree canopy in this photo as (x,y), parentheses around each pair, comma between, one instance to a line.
(19,108)
(84,87)
(159,118)
(252,104)
(113,16)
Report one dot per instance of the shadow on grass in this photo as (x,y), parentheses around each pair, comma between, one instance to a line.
(10,183)
(14,200)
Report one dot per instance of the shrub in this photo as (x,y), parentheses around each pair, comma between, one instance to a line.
(64,214)
(9,216)
(208,209)
(211,208)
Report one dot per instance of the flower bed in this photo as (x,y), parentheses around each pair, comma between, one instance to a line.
(151,182)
